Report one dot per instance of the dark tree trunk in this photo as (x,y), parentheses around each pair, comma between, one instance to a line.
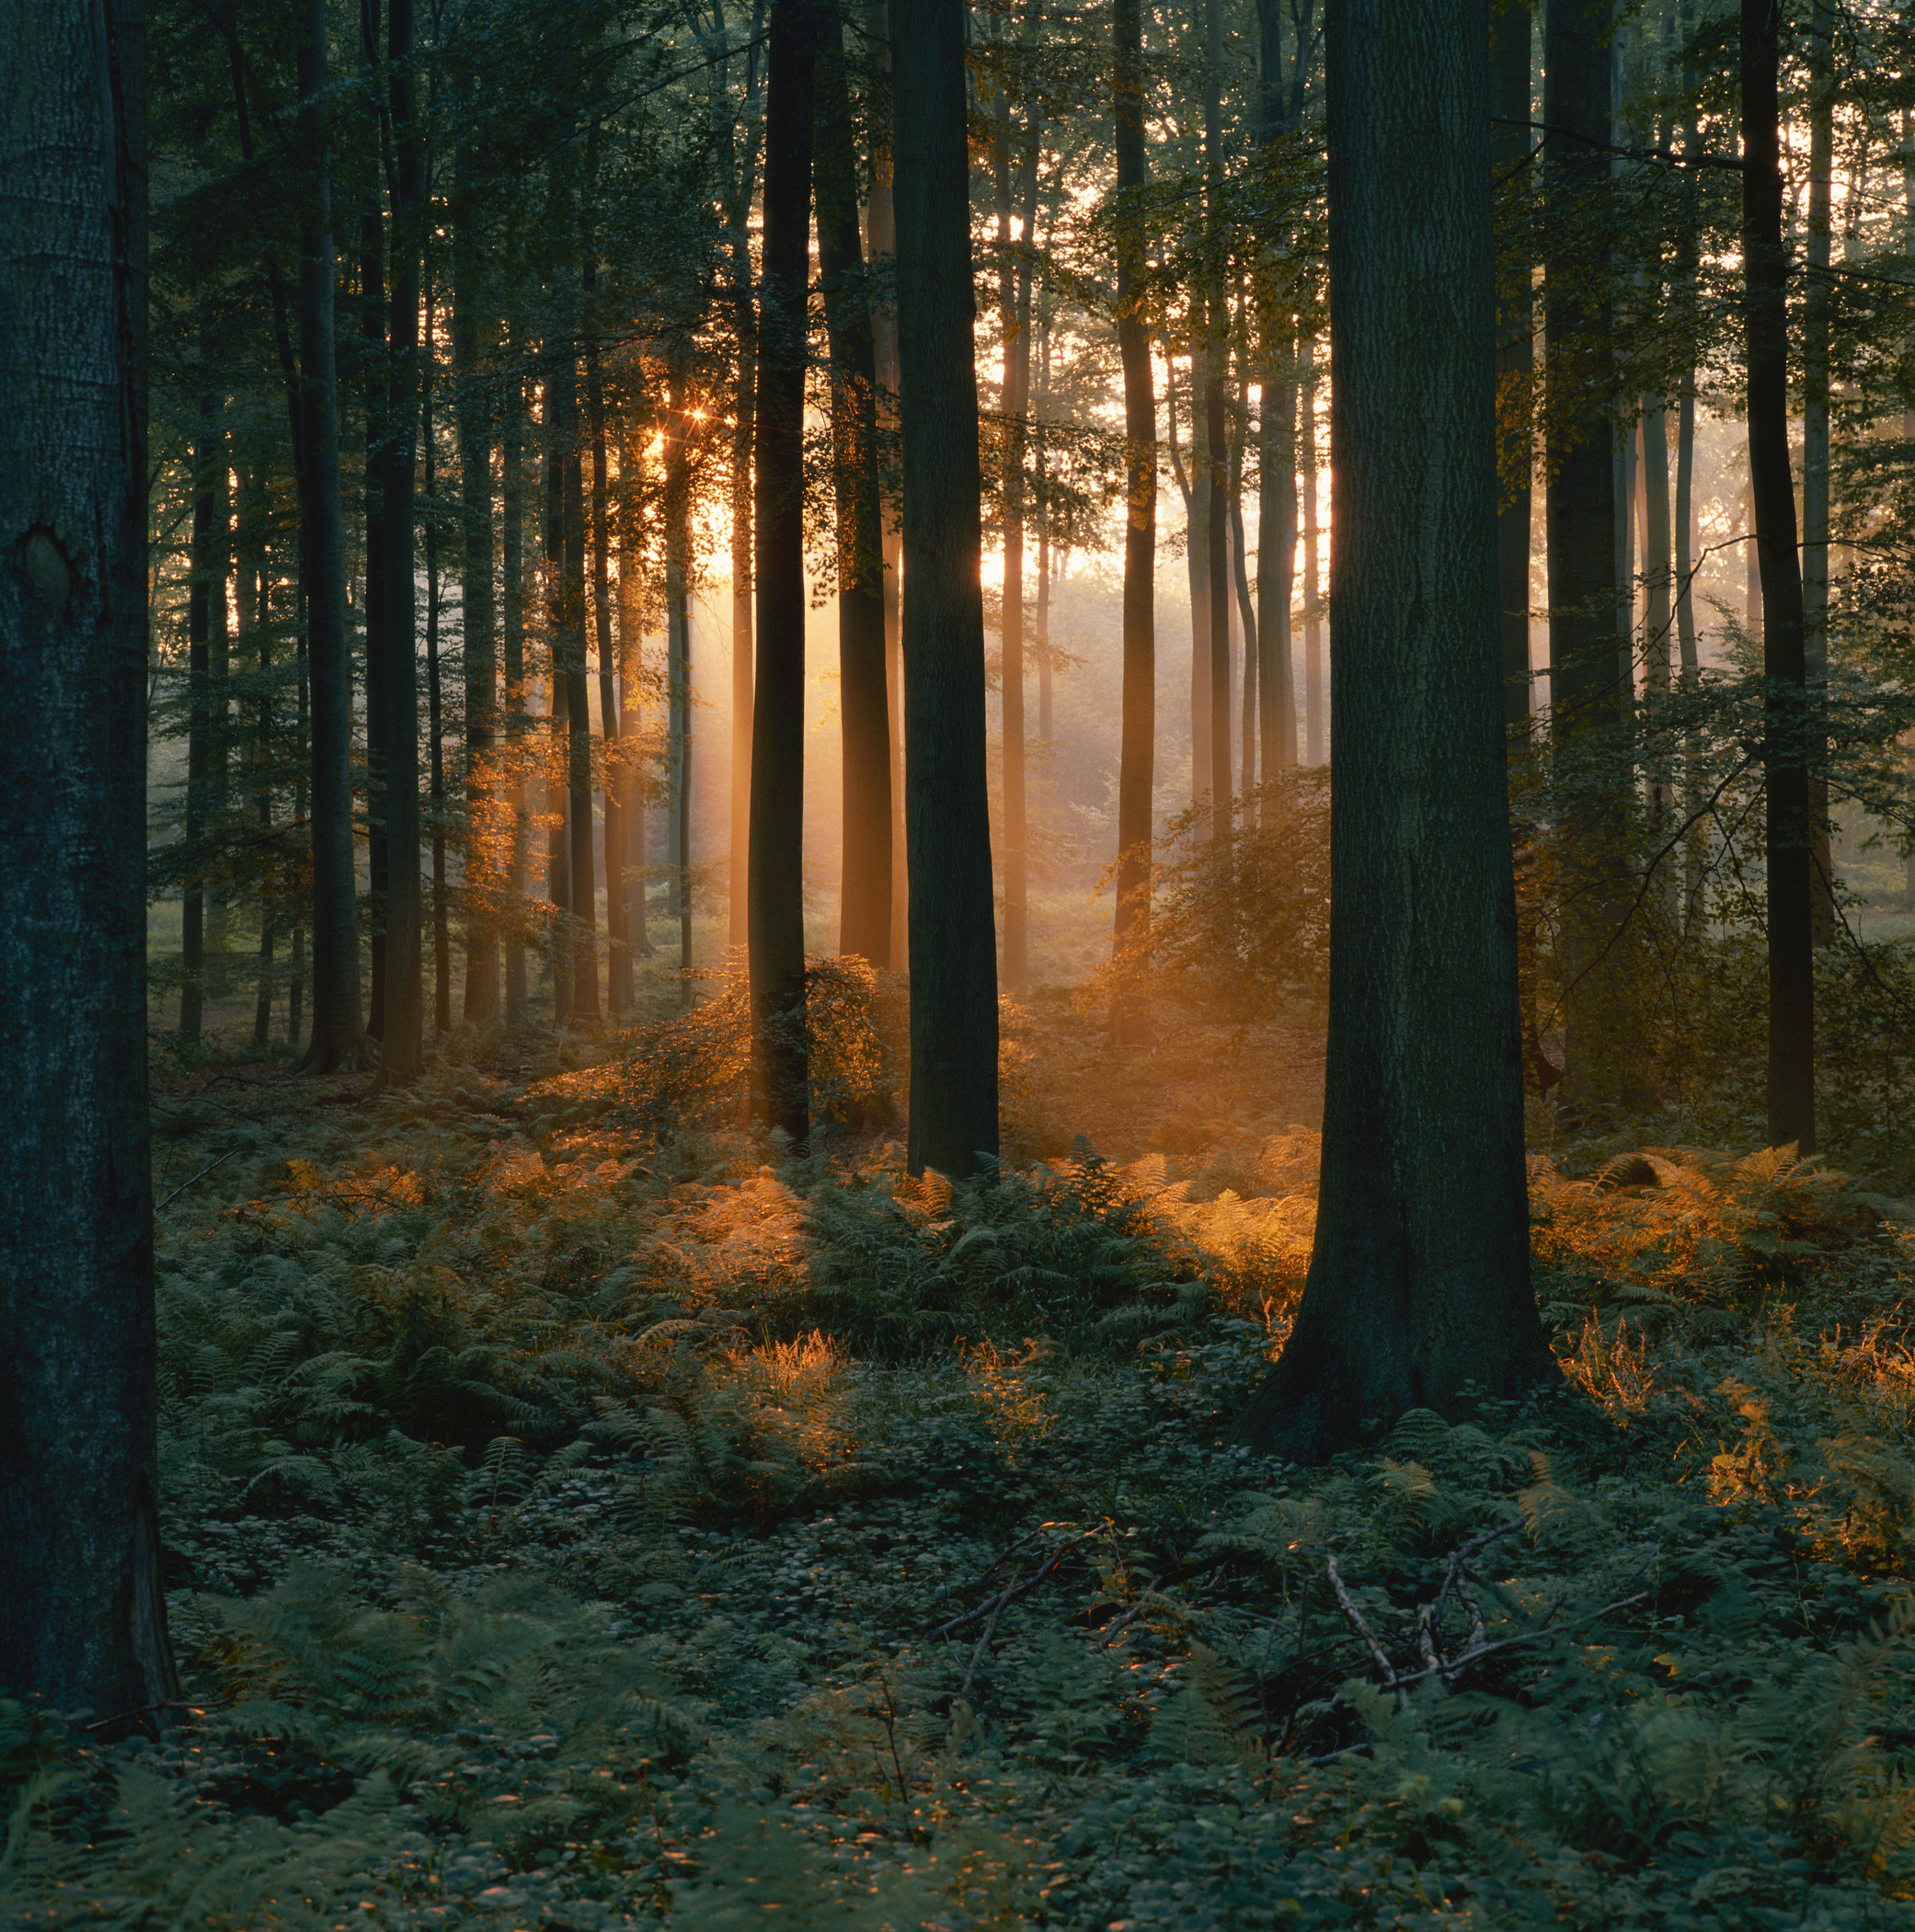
(631,679)
(618,952)
(1313,577)
(479,645)
(402,1045)
(1418,1294)
(206,588)
(558,773)
(83,1621)
(1789,846)
(511,535)
(777,911)
(1137,749)
(678,663)
(1816,332)
(864,926)
(376,393)
(1510,146)
(1246,610)
(1592,672)
(337,1040)
(1215,433)
(947,819)
(435,710)
(254,638)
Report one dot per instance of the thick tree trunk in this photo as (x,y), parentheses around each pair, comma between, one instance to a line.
(1789,842)
(402,1045)
(511,533)
(1418,1294)
(479,643)
(82,1622)
(864,925)
(1509,52)
(953,951)
(1591,678)
(777,921)
(1130,1017)
(337,1040)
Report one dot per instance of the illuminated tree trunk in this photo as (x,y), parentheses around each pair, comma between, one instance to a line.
(953,950)
(83,1621)
(1789,842)
(1418,1294)
(1137,749)
(866,902)
(618,952)
(1215,434)
(512,539)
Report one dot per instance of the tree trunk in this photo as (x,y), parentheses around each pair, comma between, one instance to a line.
(254,638)
(777,922)
(376,394)
(881,235)
(1686,266)
(1313,737)
(1216,427)
(82,1622)
(435,709)
(1509,53)
(1815,457)
(742,433)
(1418,1294)
(511,532)
(338,1041)
(479,645)
(677,666)
(1592,675)
(866,902)
(402,1046)
(559,706)
(206,588)
(1250,709)
(953,950)
(631,679)
(1130,1017)
(1789,840)
(618,951)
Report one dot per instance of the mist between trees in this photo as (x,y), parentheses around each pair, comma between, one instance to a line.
(796,555)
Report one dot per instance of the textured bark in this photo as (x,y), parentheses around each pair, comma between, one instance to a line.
(511,541)
(337,1040)
(402,1044)
(1137,749)
(947,820)
(1420,1286)
(1789,842)
(82,1617)
(864,926)
(1592,675)
(777,911)
(479,643)
(1509,51)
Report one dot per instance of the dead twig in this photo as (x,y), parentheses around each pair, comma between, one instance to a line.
(193,1178)
(1354,1617)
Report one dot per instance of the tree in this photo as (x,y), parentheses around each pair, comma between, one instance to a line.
(777,904)
(338,1041)
(82,1617)
(866,901)
(1789,842)
(947,821)
(1419,1283)
(1136,747)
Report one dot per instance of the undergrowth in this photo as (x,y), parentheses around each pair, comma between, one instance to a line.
(580,1513)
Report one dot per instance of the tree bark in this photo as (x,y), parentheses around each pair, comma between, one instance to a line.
(864,926)
(206,591)
(1814,456)
(618,951)
(1313,737)
(777,921)
(1418,1294)
(1136,747)
(511,534)
(1509,52)
(402,1045)
(479,641)
(678,663)
(953,951)
(1789,839)
(338,1041)
(375,395)
(1216,425)
(83,1621)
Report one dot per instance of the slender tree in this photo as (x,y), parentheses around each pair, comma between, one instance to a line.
(947,822)
(82,1618)
(1209,444)
(1137,749)
(865,916)
(1419,1284)
(518,718)
(337,1040)
(402,1044)
(778,923)
(1789,842)
(206,591)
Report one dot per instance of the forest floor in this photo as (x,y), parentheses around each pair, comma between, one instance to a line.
(579,1511)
